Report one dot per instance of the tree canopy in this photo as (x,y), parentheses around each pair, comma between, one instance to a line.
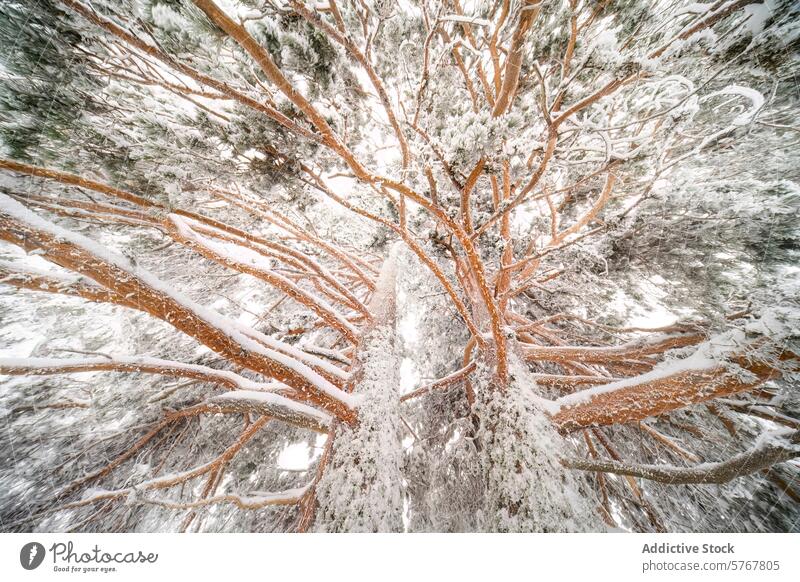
(365,265)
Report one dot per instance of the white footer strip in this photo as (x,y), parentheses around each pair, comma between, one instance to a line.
(418,557)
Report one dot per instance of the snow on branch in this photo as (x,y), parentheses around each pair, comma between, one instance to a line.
(334,355)
(249,396)
(273,405)
(465,19)
(771,449)
(249,261)
(706,18)
(139,287)
(25,277)
(155,215)
(756,102)
(590,354)
(180,67)
(256,207)
(47,366)
(765,412)
(163,481)
(718,368)
(448,380)
(254,500)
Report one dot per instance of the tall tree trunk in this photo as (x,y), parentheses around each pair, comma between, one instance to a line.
(360,490)
(526,487)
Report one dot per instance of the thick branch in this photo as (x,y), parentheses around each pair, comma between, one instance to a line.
(656,393)
(50,366)
(765,454)
(116,273)
(273,405)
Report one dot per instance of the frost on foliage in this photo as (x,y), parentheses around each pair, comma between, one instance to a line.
(527,488)
(704,211)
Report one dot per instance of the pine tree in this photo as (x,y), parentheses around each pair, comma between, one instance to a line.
(526,265)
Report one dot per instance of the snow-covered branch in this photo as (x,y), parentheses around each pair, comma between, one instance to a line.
(250,262)
(254,500)
(272,405)
(75,252)
(48,366)
(770,450)
(696,379)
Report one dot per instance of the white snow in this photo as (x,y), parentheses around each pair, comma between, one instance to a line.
(298,362)
(276,400)
(295,457)
(166,365)
(240,255)
(466,19)
(756,102)
(707,356)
